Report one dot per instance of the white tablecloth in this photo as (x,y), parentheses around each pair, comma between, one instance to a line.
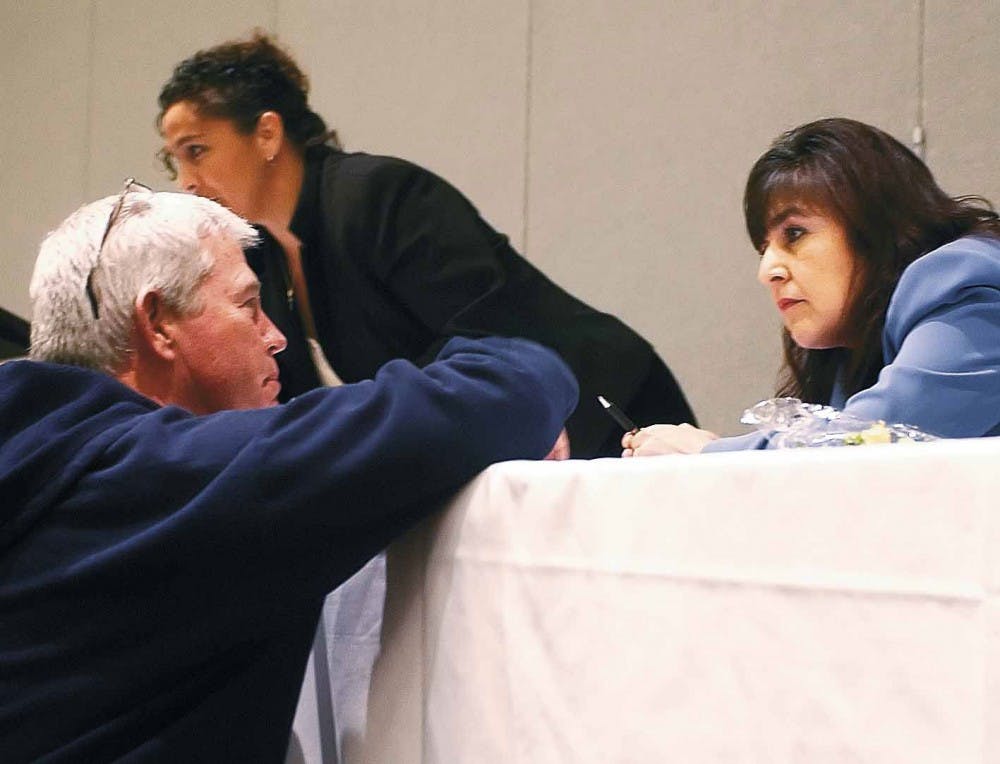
(820,605)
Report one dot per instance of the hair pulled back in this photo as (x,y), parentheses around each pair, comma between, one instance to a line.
(241,79)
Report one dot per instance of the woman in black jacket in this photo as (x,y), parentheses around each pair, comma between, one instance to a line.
(367,258)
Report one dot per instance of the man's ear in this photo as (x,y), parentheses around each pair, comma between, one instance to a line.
(155,325)
(270,134)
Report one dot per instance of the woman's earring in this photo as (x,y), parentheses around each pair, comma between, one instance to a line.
(270,159)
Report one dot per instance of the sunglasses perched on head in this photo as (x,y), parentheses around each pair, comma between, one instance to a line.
(116,210)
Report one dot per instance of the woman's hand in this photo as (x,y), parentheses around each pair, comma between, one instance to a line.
(666,439)
(560,449)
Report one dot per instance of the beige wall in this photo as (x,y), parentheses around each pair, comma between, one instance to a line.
(609,140)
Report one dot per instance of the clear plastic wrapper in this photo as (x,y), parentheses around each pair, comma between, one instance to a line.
(790,423)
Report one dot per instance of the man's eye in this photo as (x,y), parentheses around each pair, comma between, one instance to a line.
(194,151)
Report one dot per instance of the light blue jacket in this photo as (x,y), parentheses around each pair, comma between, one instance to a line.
(941,346)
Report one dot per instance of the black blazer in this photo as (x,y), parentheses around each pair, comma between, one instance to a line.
(397,261)
(14,332)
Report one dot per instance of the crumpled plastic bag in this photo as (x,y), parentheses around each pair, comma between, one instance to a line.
(790,423)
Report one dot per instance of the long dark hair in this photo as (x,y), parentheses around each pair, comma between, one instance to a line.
(240,80)
(893,212)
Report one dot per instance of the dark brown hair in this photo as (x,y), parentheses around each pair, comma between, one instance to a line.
(240,80)
(892,211)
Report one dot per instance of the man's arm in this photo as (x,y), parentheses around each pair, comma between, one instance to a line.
(296,497)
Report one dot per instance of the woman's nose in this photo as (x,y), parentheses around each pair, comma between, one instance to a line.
(186,181)
(778,273)
(771,270)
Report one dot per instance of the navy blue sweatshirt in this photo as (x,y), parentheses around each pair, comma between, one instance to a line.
(161,574)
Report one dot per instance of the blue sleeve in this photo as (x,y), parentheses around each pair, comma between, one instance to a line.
(297,497)
(942,345)
(751,441)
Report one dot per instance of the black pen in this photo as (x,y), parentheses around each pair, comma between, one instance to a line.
(618,415)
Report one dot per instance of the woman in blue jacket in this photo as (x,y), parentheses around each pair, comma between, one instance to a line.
(889,289)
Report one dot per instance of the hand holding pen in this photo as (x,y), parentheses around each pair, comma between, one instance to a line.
(618,415)
(657,438)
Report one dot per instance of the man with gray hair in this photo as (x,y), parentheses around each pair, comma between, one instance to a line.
(173,265)
(164,559)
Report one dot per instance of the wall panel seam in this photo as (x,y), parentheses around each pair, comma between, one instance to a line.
(526,166)
(88,138)
(920,131)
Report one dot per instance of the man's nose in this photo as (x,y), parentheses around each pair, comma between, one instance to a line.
(273,338)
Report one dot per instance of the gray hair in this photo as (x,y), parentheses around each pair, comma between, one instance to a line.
(159,241)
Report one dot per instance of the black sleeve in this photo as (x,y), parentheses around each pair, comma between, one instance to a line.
(431,249)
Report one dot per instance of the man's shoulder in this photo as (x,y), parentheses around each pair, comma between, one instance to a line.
(55,420)
(17,372)
(33,390)
(19,375)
